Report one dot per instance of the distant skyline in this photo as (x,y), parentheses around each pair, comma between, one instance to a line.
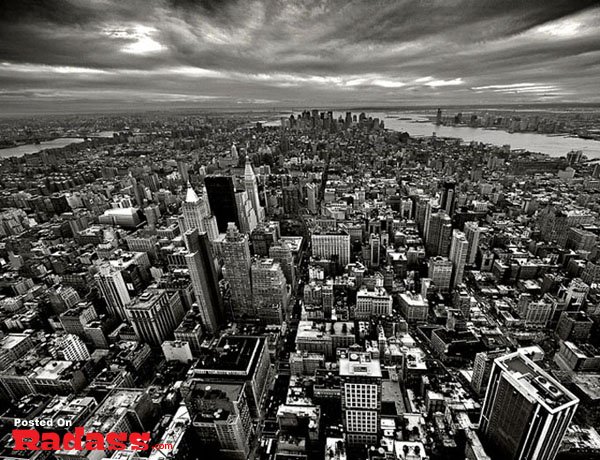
(102,55)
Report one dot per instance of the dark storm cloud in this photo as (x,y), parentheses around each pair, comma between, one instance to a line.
(288,52)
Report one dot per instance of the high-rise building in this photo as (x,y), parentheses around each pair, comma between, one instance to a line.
(190,329)
(374,250)
(472,233)
(312,191)
(269,290)
(360,376)
(328,244)
(430,207)
(440,272)
(462,301)
(71,348)
(220,417)
(236,270)
(221,198)
(76,318)
(154,315)
(204,279)
(238,359)
(251,185)
(414,307)
(448,196)
(113,289)
(291,200)
(263,236)
(482,368)
(439,234)
(421,202)
(526,412)
(282,253)
(376,302)
(458,256)
(574,326)
(197,215)
(246,214)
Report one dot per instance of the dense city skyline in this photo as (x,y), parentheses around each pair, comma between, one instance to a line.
(299,230)
(96,56)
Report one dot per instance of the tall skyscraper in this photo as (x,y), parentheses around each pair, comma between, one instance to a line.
(360,376)
(291,200)
(439,234)
(236,270)
(526,412)
(221,198)
(246,214)
(282,253)
(204,278)
(251,185)
(458,256)
(311,194)
(374,250)
(448,196)
(155,314)
(269,290)
(472,233)
(113,289)
(430,207)
(482,368)
(263,237)
(440,272)
(197,215)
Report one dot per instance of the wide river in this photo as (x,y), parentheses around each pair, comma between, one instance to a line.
(419,125)
(26,149)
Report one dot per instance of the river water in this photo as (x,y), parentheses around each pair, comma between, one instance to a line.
(419,125)
(26,149)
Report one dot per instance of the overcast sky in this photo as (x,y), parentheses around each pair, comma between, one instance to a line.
(99,54)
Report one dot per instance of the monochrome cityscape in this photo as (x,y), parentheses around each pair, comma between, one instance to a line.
(274,230)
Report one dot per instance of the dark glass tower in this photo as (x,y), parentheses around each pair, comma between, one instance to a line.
(221,198)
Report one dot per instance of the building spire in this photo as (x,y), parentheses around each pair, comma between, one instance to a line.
(249,172)
(191,196)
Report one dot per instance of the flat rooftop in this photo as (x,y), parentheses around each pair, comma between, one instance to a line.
(359,364)
(147,299)
(232,354)
(534,383)
(588,383)
(12,340)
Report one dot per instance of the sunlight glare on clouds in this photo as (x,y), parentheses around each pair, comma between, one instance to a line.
(436,83)
(141,37)
(564,28)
